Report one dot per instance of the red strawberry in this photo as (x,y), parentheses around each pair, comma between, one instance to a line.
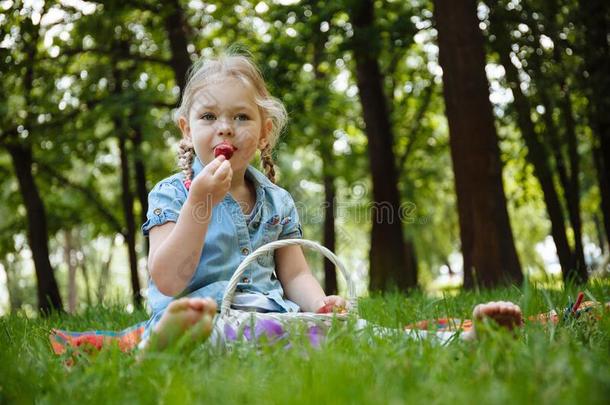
(330,308)
(325,309)
(225,149)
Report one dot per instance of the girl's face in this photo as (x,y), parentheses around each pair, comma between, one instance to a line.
(225,111)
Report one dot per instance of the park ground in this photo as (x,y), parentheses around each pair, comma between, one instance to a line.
(565,363)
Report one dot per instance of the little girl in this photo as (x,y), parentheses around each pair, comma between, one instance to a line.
(205,220)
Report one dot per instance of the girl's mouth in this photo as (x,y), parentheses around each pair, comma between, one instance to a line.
(225,149)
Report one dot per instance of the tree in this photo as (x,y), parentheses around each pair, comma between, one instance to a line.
(569,173)
(325,129)
(488,247)
(536,151)
(594,15)
(17,141)
(388,265)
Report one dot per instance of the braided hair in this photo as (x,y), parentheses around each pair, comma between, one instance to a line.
(186,156)
(267,163)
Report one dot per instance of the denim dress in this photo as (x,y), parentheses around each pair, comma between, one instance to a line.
(231,236)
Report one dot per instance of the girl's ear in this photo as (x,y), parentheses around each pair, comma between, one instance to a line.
(264,139)
(184,127)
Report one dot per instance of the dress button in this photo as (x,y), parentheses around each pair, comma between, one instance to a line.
(157,211)
(266,293)
(245,251)
(245,280)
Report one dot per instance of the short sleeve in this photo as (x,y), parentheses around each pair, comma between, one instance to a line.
(164,203)
(290,220)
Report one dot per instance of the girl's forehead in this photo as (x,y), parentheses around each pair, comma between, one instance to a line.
(224,91)
(236,84)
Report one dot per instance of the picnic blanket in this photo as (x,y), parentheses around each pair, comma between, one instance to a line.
(128,339)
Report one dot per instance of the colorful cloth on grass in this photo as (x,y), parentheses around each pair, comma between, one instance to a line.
(127,339)
(443,325)
(242,328)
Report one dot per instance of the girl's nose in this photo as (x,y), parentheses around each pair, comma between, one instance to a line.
(224,128)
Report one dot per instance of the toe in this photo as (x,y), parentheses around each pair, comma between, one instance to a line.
(178,305)
(207,324)
(203,328)
(506,310)
(485,308)
(197,304)
(210,306)
(476,312)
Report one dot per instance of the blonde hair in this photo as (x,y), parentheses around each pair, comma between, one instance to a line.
(241,67)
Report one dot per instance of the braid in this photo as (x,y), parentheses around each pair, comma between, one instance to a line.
(268,164)
(186,154)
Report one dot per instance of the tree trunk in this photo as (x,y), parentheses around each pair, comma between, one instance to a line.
(140,177)
(573,191)
(175,25)
(12,289)
(569,181)
(69,259)
(603,176)
(85,271)
(38,239)
(414,130)
(594,17)
(127,200)
(536,153)
(325,150)
(22,159)
(600,234)
(9,290)
(488,247)
(449,269)
(126,195)
(388,266)
(411,255)
(330,275)
(104,277)
(82,263)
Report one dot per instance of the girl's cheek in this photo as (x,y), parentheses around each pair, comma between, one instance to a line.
(249,141)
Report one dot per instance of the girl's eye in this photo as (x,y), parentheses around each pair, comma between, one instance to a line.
(208,116)
(241,117)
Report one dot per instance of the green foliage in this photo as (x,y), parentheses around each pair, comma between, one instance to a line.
(105,71)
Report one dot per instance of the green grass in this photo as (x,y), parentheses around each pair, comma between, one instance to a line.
(569,363)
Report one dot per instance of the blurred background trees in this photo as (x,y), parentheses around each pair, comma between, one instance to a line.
(380,175)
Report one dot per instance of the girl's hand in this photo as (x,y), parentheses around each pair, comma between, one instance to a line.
(213,183)
(332,303)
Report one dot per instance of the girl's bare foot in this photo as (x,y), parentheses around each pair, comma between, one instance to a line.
(504,313)
(185,315)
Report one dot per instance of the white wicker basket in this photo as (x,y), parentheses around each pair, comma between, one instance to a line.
(227,312)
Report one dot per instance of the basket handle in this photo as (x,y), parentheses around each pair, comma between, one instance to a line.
(230,289)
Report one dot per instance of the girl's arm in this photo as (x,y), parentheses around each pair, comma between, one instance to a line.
(299,284)
(175,248)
